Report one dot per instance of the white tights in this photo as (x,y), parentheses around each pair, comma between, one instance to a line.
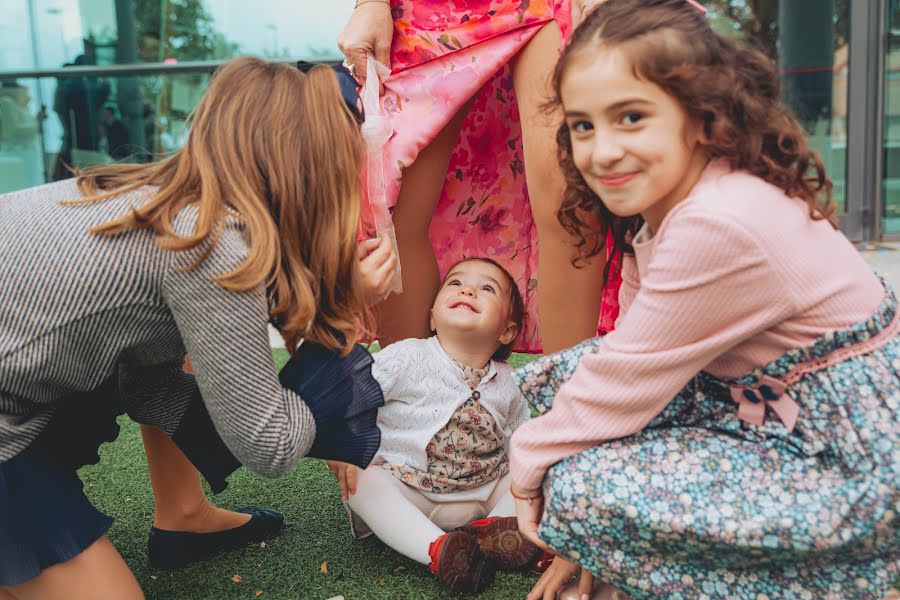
(407,521)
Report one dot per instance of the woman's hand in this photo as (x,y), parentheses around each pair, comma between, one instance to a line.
(529,509)
(346,476)
(377,265)
(369,31)
(555,578)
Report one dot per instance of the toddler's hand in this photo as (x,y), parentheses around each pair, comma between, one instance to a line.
(377,264)
(346,476)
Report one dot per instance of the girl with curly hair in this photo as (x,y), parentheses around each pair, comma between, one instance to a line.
(736,434)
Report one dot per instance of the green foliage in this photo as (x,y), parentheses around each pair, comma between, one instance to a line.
(180,29)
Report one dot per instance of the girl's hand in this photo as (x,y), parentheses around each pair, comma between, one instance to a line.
(560,572)
(346,476)
(529,514)
(369,31)
(377,264)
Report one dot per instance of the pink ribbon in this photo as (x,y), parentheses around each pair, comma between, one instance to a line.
(700,8)
(768,392)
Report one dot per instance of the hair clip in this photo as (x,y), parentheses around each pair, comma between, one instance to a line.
(697,6)
(347,83)
(306,66)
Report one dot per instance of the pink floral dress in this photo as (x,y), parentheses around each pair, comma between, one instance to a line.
(443,54)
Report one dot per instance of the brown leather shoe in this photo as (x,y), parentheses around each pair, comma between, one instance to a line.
(457,559)
(500,540)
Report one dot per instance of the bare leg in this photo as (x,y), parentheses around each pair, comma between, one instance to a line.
(407,315)
(569,298)
(97,573)
(181,504)
(179,501)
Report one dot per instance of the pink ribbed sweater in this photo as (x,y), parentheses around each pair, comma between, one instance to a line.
(736,275)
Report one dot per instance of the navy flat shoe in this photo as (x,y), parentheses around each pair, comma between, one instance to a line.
(169,550)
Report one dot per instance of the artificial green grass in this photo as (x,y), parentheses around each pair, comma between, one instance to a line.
(288,567)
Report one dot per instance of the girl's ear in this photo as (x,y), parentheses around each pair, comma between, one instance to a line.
(508,334)
(695,133)
(431,320)
(703,129)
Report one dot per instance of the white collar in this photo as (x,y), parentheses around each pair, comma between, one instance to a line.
(436,348)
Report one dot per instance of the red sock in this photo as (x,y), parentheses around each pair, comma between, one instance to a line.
(434,551)
(483,521)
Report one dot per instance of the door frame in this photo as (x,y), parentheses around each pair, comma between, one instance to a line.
(865,120)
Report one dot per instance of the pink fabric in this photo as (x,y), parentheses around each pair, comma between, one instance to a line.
(771,393)
(444,53)
(609,310)
(753,401)
(737,275)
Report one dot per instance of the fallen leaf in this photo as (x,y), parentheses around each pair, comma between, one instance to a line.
(336,598)
(400,569)
(259,565)
(237,578)
(262,544)
(381,582)
(258,593)
(153,577)
(324,567)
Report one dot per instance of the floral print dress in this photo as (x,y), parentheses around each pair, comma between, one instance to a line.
(701,504)
(466,453)
(443,54)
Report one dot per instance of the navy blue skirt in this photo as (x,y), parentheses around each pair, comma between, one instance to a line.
(45,518)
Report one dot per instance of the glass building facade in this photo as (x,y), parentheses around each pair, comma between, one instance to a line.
(86,82)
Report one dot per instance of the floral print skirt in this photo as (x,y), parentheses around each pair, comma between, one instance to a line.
(701,504)
(444,54)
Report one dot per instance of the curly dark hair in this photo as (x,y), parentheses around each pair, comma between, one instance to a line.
(725,84)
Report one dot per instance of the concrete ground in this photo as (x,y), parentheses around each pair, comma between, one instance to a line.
(885,258)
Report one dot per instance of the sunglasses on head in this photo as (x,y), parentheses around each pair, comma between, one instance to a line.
(348,85)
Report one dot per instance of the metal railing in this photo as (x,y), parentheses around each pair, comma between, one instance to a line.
(175,68)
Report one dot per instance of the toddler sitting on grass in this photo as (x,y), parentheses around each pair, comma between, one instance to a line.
(438,490)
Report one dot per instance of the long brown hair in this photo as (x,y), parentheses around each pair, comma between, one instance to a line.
(728,86)
(279,148)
